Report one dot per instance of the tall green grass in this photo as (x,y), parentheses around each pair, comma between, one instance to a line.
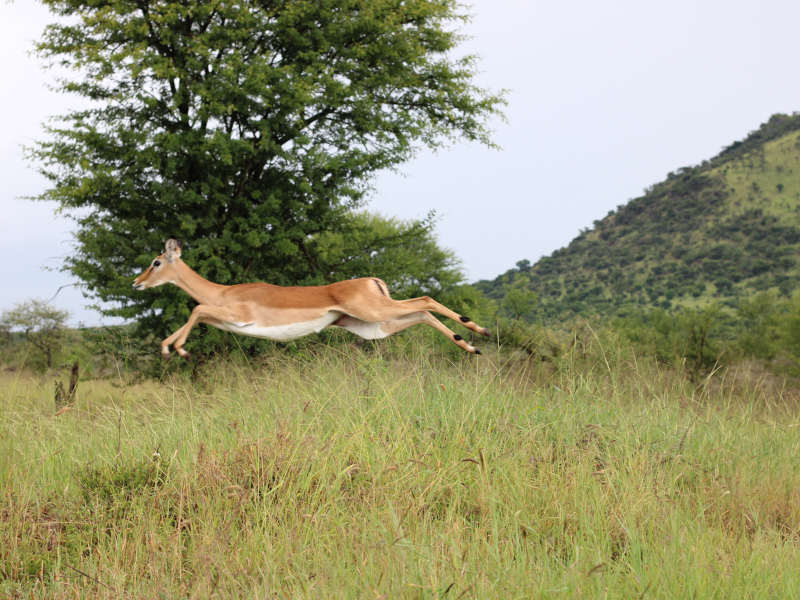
(348,473)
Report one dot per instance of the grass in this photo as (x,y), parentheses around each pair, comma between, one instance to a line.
(347,473)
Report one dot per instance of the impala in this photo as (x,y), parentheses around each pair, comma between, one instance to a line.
(362,306)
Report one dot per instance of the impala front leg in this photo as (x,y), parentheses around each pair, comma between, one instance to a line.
(213,315)
(167,342)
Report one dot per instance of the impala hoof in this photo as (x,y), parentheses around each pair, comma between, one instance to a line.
(478,351)
(183,353)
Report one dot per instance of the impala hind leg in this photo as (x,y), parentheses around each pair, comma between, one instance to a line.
(383,308)
(428,319)
(373,330)
(426,303)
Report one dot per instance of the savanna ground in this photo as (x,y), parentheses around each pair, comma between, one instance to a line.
(348,472)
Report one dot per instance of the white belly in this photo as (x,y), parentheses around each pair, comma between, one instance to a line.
(365,329)
(282,333)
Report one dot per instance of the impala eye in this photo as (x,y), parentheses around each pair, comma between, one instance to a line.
(156,263)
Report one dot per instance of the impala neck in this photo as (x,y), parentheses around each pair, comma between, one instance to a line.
(202,290)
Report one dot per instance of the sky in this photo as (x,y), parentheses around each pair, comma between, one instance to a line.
(604,99)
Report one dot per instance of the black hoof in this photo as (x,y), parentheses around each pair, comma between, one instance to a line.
(465,319)
(487,333)
(457,338)
(478,351)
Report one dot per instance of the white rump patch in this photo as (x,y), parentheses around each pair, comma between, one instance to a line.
(282,333)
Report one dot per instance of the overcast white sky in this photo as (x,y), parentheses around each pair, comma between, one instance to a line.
(606,98)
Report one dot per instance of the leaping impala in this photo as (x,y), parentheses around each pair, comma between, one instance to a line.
(362,306)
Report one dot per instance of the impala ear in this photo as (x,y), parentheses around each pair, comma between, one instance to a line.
(173,249)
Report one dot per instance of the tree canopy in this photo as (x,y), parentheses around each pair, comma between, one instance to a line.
(42,325)
(249,128)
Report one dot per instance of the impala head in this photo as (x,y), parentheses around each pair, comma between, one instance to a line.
(162,269)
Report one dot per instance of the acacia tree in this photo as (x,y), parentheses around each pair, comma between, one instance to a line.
(43,326)
(246,127)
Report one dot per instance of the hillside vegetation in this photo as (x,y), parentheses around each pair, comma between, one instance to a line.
(350,474)
(716,232)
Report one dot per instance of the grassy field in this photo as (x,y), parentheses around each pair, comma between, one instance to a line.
(347,473)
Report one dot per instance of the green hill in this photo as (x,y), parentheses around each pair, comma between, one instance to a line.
(719,230)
